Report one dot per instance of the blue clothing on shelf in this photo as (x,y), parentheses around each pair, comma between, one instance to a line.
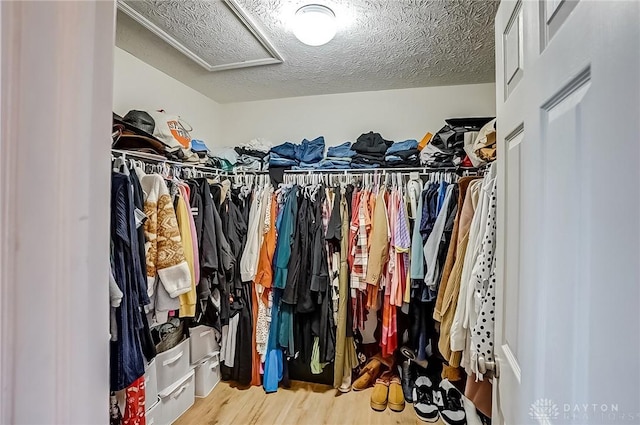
(402,146)
(311,151)
(341,151)
(364,166)
(338,158)
(286,150)
(332,164)
(276,160)
(325,164)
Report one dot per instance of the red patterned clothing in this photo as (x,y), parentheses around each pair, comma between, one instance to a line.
(134,410)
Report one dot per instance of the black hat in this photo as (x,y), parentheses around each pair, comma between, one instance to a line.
(140,122)
(138,134)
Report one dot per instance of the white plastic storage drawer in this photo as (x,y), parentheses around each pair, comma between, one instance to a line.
(154,415)
(178,398)
(150,385)
(203,343)
(172,365)
(207,375)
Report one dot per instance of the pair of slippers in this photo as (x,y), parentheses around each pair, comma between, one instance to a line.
(387,392)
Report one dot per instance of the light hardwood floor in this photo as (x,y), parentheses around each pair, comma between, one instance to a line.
(302,404)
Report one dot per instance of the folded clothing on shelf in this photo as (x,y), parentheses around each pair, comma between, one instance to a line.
(276,159)
(363,166)
(228,154)
(251,152)
(257,145)
(198,146)
(447,147)
(404,155)
(285,150)
(368,160)
(311,151)
(403,163)
(402,146)
(341,151)
(404,158)
(251,163)
(325,164)
(221,163)
(371,144)
(338,158)
(289,154)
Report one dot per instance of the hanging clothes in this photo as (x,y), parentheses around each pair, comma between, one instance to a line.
(450,284)
(168,274)
(465,318)
(232,214)
(379,251)
(264,277)
(184,219)
(484,285)
(127,362)
(345,359)
(292,274)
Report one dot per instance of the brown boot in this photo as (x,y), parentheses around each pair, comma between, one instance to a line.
(380,394)
(368,375)
(396,397)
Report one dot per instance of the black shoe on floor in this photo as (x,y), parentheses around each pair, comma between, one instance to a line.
(450,404)
(408,380)
(423,402)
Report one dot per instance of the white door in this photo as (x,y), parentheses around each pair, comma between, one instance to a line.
(568,322)
(56,73)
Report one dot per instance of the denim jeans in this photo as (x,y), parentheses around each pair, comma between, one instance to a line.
(325,164)
(311,151)
(355,165)
(286,150)
(332,164)
(279,161)
(337,158)
(341,151)
(402,146)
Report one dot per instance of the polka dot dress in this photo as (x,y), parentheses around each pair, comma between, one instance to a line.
(484,285)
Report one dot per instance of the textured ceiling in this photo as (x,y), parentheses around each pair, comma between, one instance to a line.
(380,44)
(203,27)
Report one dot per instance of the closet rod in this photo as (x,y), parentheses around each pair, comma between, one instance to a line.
(423,170)
(248,172)
(159,159)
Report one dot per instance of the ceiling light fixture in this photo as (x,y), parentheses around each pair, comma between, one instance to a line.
(314,24)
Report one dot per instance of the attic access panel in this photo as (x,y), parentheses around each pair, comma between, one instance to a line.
(216,34)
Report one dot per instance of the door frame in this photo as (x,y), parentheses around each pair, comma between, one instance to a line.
(56,100)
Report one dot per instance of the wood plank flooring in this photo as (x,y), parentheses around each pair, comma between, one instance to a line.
(303,403)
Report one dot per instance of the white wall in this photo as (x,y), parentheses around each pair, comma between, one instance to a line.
(137,85)
(396,114)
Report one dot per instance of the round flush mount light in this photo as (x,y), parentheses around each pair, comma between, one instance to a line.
(314,24)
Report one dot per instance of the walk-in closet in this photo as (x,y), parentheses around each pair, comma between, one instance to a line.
(320,212)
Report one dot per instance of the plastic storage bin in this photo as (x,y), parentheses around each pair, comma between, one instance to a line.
(178,398)
(203,343)
(172,365)
(150,385)
(154,415)
(207,375)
